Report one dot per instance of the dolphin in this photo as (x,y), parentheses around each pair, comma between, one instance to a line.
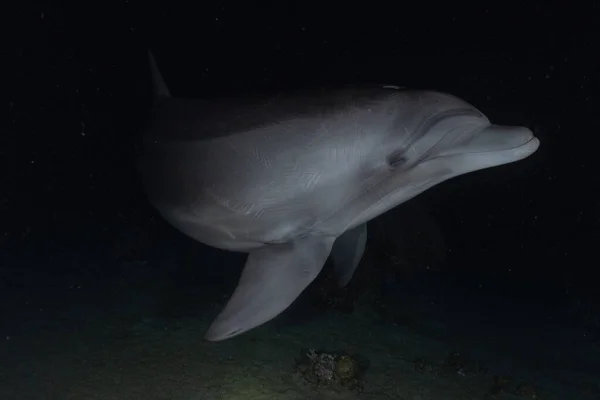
(292,178)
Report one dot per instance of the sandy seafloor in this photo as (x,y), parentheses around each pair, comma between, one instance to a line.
(141,337)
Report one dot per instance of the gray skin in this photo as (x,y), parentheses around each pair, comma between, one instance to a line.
(295,177)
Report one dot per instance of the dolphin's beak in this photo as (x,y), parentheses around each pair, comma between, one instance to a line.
(515,142)
(498,138)
(491,146)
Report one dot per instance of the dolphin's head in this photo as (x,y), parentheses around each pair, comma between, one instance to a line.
(467,148)
(435,149)
(443,136)
(449,151)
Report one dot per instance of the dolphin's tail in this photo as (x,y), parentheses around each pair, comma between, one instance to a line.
(159,88)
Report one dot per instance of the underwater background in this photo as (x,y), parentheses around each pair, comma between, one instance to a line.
(483,287)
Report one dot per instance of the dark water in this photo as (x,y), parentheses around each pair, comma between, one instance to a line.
(498,264)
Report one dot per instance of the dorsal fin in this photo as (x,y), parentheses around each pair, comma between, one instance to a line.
(159,88)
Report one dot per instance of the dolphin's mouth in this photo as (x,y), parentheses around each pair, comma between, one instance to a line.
(495,144)
(528,139)
(529,147)
(529,144)
(496,138)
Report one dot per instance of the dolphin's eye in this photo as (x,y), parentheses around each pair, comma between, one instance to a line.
(396,159)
